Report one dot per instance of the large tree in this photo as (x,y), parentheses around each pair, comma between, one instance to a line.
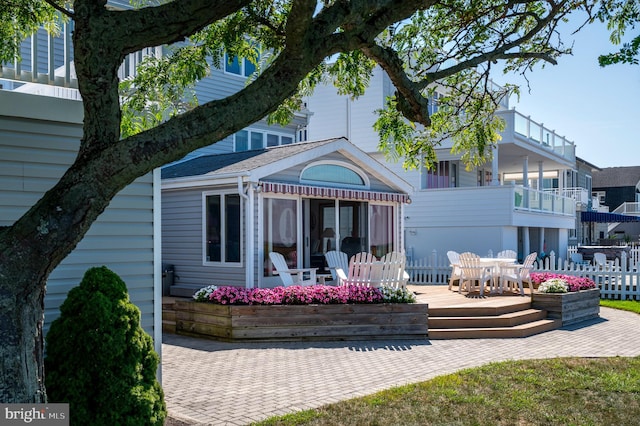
(421,44)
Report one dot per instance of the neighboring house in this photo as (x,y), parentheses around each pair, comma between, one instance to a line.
(40,131)
(618,190)
(514,202)
(39,139)
(222,214)
(585,202)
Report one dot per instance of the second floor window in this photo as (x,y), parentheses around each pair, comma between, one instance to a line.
(249,139)
(443,174)
(238,66)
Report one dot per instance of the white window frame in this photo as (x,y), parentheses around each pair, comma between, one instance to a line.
(363,176)
(223,237)
(264,134)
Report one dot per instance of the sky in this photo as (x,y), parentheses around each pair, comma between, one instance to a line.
(596,108)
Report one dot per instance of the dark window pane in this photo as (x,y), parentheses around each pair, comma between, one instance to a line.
(242,140)
(256,140)
(213,229)
(232,66)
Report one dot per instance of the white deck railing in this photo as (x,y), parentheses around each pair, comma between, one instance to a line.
(536,133)
(621,280)
(545,201)
(48,60)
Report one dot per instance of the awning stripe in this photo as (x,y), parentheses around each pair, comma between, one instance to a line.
(605,217)
(348,194)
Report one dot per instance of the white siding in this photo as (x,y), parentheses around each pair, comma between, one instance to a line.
(339,116)
(36,147)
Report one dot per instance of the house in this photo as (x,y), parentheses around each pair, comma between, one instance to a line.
(585,202)
(222,214)
(618,190)
(40,132)
(515,202)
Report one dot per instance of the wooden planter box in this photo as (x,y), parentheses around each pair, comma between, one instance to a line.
(570,307)
(302,322)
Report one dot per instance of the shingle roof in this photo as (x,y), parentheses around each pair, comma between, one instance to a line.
(237,162)
(616,177)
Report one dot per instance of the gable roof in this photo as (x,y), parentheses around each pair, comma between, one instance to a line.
(257,164)
(616,177)
(237,162)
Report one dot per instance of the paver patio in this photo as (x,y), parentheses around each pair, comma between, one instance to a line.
(218,383)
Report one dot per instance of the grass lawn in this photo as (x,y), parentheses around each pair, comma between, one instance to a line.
(625,305)
(559,391)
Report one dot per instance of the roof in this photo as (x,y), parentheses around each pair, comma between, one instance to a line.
(616,177)
(237,162)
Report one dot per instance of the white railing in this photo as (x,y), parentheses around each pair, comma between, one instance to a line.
(534,200)
(47,60)
(538,134)
(580,195)
(628,208)
(620,280)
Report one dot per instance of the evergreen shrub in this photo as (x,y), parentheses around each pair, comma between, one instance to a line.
(100,360)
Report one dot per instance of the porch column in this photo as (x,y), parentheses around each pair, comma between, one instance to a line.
(540,184)
(494,166)
(526,246)
(525,182)
(250,243)
(541,249)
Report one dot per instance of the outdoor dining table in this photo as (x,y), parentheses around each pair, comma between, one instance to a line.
(494,263)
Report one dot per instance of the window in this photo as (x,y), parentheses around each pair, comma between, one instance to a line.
(238,66)
(333,173)
(441,175)
(484,177)
(223,238)
(246,140)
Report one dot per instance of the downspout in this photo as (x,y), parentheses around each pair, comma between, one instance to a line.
(249,237)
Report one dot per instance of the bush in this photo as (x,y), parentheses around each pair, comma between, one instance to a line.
(100,360)
(302,295)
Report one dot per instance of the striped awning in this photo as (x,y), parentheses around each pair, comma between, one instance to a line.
(339,193)
(606,217)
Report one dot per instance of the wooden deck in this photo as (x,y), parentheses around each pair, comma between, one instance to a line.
(454,315)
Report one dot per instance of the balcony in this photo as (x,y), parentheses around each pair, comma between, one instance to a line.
(580,195)
(522,129)
(543,201)
(46,65)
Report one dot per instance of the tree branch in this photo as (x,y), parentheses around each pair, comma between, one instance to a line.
(59,8)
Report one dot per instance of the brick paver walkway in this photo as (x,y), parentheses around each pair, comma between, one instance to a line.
(216,383)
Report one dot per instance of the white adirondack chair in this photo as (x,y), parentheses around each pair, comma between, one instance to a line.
(393,272)
(362,270)
(456,273)
(337,261)
(291,276)
(518,274)
(474,273)
(507,254)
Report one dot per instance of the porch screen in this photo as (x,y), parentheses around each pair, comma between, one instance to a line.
(382,226)
(280,231)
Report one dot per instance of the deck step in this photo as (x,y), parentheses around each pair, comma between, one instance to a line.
(509,319)
(477,311)
(522,330)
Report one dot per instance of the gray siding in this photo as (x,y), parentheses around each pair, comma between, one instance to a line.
(34,153)
(182,232)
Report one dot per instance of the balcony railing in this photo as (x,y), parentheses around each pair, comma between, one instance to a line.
(48,60)
(580,195)
(536,133)
(628,208)
(544,201)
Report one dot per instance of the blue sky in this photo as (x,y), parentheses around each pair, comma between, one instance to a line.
(596,108)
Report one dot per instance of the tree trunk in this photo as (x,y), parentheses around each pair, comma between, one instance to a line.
(21,350)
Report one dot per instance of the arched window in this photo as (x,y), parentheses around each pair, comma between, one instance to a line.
(334,173)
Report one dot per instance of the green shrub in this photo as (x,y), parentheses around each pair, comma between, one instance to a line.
(100,360)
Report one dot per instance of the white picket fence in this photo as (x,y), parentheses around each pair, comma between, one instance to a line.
(621,280)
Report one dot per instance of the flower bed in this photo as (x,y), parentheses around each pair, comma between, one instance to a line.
(301,313)
(565,297)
